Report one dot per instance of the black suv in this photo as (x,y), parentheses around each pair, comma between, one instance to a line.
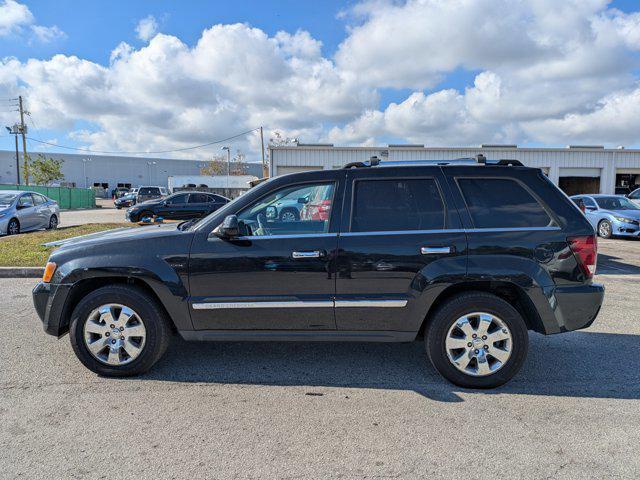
(468,257)
(179,206)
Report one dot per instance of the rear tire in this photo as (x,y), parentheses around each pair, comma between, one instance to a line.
(469,361)
(147,331)
(604,229)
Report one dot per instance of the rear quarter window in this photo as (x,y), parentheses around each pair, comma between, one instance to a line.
(502,203)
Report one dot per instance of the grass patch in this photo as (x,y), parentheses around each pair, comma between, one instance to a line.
(26,250)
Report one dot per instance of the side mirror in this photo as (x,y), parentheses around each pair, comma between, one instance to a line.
(303,200)
(229,228)
(271,212)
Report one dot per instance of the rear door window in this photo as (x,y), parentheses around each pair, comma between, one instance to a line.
(397,205)
(502,203)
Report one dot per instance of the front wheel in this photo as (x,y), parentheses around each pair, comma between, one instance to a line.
(119,331)
(477,340)
(53,223)
(14,227)
(604,229)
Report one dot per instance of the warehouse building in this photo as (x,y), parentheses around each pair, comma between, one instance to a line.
(576,169)
(108,172)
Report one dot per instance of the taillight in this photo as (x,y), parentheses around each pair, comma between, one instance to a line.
(585,250)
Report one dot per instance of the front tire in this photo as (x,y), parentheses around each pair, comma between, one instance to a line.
(119,331)
(477,340)
(145,214)
(53,223)
(14,227)
(604,229)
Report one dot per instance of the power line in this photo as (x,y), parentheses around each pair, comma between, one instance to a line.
(145,152)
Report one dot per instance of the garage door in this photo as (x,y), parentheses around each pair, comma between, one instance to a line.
(578,181)
(286,170)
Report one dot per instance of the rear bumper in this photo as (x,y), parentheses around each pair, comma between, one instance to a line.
(571,307)
(49,301)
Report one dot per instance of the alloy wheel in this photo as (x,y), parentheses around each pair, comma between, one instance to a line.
(114,334)
(53,222)
(13,228)
(479,344)
(604,229)
(288,217)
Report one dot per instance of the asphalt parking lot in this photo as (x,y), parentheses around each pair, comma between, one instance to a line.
(281,410)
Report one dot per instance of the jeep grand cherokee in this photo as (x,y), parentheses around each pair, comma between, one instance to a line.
(467,257)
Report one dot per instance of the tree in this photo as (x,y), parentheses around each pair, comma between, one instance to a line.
(238,164)
(216,166)
(45,170)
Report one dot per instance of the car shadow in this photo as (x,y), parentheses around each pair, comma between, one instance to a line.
(577,364)
(611,265)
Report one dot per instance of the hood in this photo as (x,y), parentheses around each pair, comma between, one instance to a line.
(633,214)
(117,235)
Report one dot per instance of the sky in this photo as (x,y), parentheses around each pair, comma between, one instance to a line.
(161,76)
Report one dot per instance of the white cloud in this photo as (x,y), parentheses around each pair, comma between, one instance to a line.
(544,71)
(47,34)
(147,28)
(16,18)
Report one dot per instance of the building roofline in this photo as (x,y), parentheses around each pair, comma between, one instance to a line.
(450,149)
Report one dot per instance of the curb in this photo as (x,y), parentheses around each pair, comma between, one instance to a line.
(21,272)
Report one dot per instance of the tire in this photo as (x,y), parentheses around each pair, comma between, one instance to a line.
(505,321)
(157,331)
(604,229)
(144,214)
(289,215)
(118,207)
(13,228)
(53,223)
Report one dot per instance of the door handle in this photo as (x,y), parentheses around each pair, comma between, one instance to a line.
(308,254)
(435,250)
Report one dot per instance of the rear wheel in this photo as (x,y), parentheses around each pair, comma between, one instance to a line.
(604,229)
(119,331)
(14,227)
(477,340)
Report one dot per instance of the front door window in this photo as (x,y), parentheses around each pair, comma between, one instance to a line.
(300,209)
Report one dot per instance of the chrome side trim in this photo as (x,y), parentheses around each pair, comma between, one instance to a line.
(303,304)
(371,303)
(401,232)
(302,235)
(514,229)
(452,230)
(292,304)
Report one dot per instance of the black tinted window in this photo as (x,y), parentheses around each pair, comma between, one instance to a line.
(182,198)
(149,191)
(502,203)
(199,198)
(403,204)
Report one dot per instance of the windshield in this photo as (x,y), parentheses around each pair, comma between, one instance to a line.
(615,203)
(7,199)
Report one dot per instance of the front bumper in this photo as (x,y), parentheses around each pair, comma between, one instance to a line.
(571,307)
(4,224)
(625,229)
(49,301)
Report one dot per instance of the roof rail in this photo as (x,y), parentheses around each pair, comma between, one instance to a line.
(478,160)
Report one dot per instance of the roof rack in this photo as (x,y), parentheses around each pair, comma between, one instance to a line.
(478,160)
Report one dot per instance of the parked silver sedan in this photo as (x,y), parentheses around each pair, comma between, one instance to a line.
(25,211)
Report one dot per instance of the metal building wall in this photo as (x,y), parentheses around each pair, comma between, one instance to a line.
(112,169)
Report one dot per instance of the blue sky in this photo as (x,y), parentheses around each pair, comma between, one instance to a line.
(93,29)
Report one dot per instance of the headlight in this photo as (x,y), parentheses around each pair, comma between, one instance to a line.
(624,219)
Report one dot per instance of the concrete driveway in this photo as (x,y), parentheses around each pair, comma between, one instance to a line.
(282,410)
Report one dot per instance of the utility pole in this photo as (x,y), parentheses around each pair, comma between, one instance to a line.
(15,131)
(228,149)
(23,131)
(265,171)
